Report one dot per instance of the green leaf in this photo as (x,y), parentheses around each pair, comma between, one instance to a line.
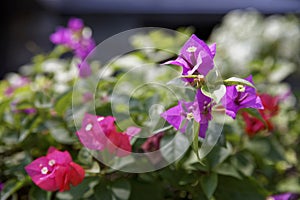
(230,188)
(214,92)
(81,191)
(102,191)
(60,132)
(36,193)
(237,81)
(146,191)
(206,92)
(12,186)
(255,114)
(118,190)
(218,155)
(228,170)
(174,147)
(209,184)
(121,189)
(63,102)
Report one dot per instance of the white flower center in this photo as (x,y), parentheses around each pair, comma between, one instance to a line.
(51,162)
(240,88)
(44,170)
(100,119)
(190,116)
(191,49)
(88,127)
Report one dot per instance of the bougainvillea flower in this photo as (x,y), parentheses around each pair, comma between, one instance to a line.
(152,143)
(271,105)
(119,142)
(62,36)
(55,171)
(199,110)
(75,24)
(195,57)
(95,130)
(83,47)
(205,105)
(239,96)
(271,108)
(284,196)
(84,69)
(76,39)
(99,133)
(178,115)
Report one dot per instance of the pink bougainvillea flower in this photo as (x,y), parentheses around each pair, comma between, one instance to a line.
(95,130)
(271,108)
(195,57)
(55,171)
(238,97)
(199,110)
(284,196)
(98,133)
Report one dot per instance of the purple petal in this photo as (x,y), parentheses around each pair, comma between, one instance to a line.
(84,69)
(233,101)
(203,129)
(285,196)
(75,24)
(174,117)
(213,48)
(61,36)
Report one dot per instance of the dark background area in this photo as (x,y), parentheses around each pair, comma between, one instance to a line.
(27,24)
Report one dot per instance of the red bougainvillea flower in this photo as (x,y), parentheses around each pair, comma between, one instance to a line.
(119,142)
(271,108)
(238,97)
(55,171)
(152,143)
(195,57)
(98,133)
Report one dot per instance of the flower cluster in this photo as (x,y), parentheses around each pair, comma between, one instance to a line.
(99,133)
(196,60)
(77,38)
(55,171)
